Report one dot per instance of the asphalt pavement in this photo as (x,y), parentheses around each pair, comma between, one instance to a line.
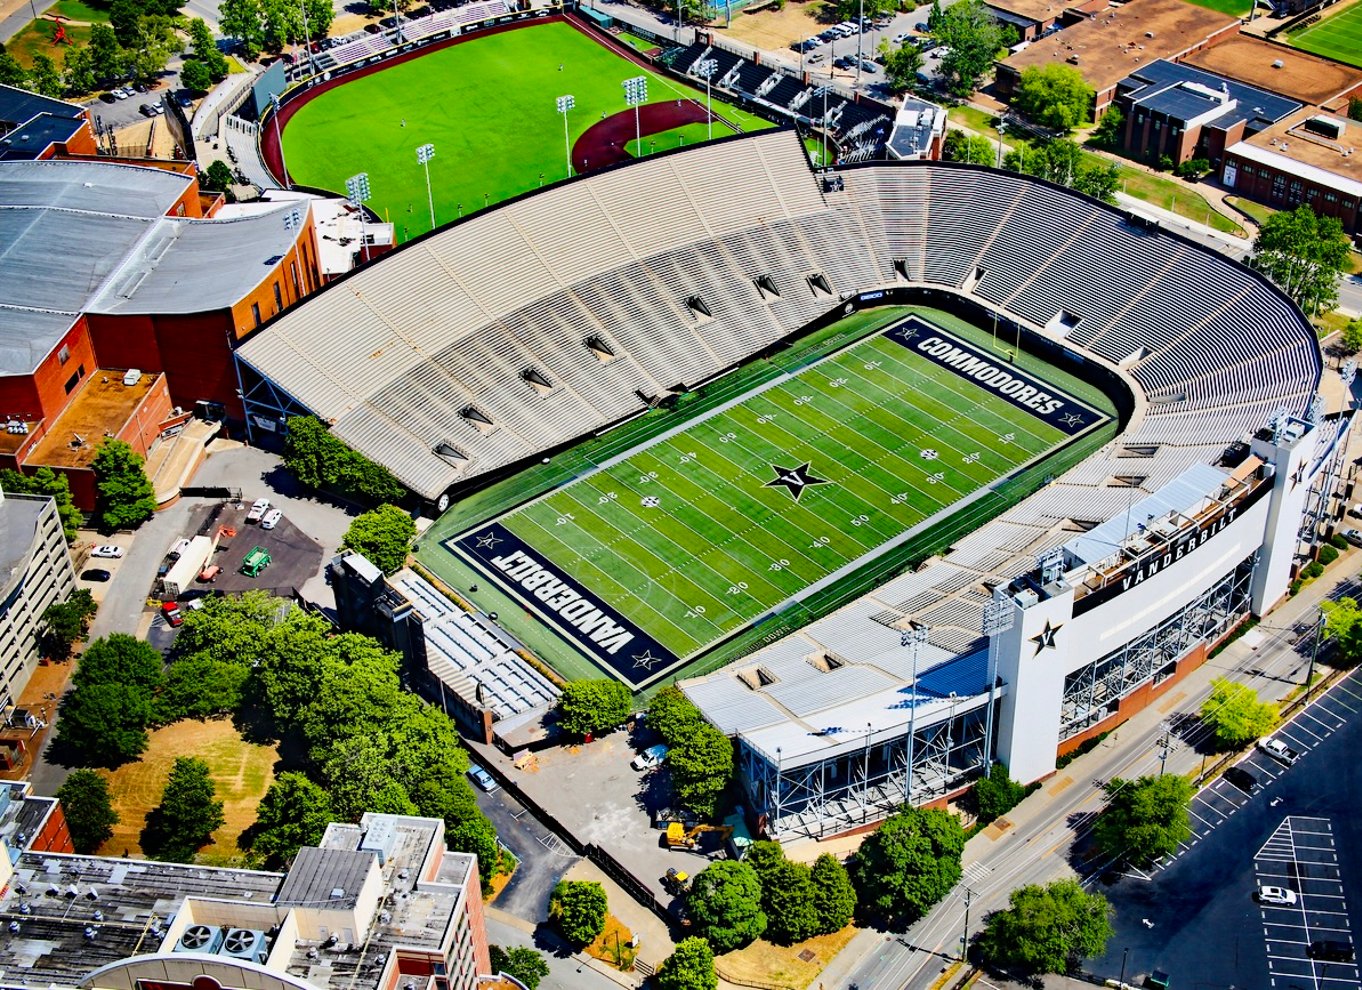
(544,857)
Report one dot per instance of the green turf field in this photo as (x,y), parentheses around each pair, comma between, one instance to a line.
(678,137)
(487,105)
(1339,36)
(692,536)
(1235,8)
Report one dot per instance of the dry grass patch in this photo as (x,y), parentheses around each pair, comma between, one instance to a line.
(794,966)
(614,945)
(241,770)
(777,29)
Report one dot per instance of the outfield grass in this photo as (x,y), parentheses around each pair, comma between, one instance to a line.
(1339,36)
(678,137)
(488,107)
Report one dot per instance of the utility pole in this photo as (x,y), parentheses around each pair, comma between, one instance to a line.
(1167,730)
(964,937)
(912,639)
(1314,653)
(1125,953)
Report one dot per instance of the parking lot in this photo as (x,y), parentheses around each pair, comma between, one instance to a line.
(294,556)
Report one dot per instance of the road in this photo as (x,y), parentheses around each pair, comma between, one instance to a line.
(544,857)
(1037,846)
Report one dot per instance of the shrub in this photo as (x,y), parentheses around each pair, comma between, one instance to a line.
(1327,554)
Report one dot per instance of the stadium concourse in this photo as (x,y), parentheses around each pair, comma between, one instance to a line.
(493,341)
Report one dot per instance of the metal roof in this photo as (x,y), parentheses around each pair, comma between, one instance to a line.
(1184,92)
(91,187)
(26,337)
(38,134)
(19,105)
(326,878)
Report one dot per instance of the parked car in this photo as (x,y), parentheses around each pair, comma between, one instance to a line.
(1275,895)
(271,519)
(1331,949)
(482,778)
(107,98)
(1242,779)
(900,38)
(107,551)
(1278,750)
(1353,536)
(649,758)
(147,110)
(171,612)
(867,65)
(258,509)
(95,574)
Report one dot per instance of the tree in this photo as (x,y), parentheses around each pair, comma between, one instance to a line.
(214,63)
(243,20)
(525,965)
(45,481)
(701,767)
(383,535)
(106,53)
(587,707)
(901,66)
(1355,108)
(788,900)
(725,905)
(1054,95)
(1063,162)
(11,72)
(320,14)
(1236,716)
(1048,929)
(293,813)
(1107,133)
(689,967)
(319,460)
(194,76)
(995,794)
(188,815)
(124,18)
(217,177)
(1305,254)
(973,149)
(1098,180)
(90,816)
(283,22)
(852,10)
(121,659)
(199,687)
(974,38)
(834,898)
(78,71)
(43,77)
(577,907)
(673,716)
(105,724)
(1144,819)
(1343,627)
(1351,337)
(124,496)
(64,623)
(908,864)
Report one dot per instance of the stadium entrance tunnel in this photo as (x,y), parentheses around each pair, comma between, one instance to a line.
(606,143)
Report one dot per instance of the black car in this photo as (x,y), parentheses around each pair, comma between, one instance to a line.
(1242,779)
(95,574)
(107,98)
(1332,950)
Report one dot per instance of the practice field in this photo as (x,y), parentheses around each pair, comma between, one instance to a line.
(487,104)
(1339,36)
(672,547)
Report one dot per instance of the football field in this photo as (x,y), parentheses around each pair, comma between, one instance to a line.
(664,551)
(1338,36)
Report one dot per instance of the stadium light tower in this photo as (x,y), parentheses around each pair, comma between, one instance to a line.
(423,156)
(279,140)
(358,192)
(636,92)
(566,103)
(912,639)
(307,38)
(707,68)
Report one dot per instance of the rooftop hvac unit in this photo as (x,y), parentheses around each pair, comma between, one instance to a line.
(244,943)
(200,938)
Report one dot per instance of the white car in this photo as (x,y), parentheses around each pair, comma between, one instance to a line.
(1276,895)
(1278,750)
(271,519)
(107,551)
(649,758)
(258,509)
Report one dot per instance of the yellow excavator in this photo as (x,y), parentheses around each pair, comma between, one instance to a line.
(680,837)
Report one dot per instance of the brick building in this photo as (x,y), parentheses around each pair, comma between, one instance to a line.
(37,127)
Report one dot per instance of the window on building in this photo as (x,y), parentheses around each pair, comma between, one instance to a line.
(72,382)
(64,354)
(255,312)
(1279,187)
(278,297)
(293,272)
(1297,192)
(1331,197)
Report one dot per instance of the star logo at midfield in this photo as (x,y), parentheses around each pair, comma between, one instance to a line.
(488,540)
(646,660)
(1071,419)
(794,480)
(1045,639)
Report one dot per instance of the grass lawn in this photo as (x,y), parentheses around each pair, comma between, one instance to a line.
(635,42)
(79,10)
(242,772)
(765,964)
(36,38)
(1257,211)
(1173,195)
(1339,36)
(488,106)
(1235,8)
(678,137)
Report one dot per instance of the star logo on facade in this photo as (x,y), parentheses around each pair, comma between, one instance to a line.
(1045,639)
(1071,419)
(1298,475)
(488,540)
(794,480)
(646,660)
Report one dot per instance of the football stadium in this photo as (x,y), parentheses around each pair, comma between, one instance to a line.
(895,468)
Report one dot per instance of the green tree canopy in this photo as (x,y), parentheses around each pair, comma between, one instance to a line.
(901,66)
(11,72)
(971,149)
(995,794)
(672,715)
(975,38)
(689,967)
(90,815)
(65,622)
(1305,254)
(43,77)
(195,77)
(45,481)
(701,767)
(577,907)
(1351,337)
(243,20)
(1048,929)
(788,900)
(1054,95)
(1236,716)
(124,497)
(1144,819)
(908,864)
(1063,162)
(105,51)
(293,813)
(319,460)
(1343,627)
(383,535)
(121,659)
(1107,133)
(526,965)
(591,706)
(105,725)
(188,814)
(834,898)
(725,905)
(78,71)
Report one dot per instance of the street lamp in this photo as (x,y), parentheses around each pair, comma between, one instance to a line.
(423,155)
(358,192)
(707,68)
(636,92)
(279,140)
(964,937)
(566,103)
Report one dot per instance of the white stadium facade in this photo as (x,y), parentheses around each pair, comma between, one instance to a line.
(493,341)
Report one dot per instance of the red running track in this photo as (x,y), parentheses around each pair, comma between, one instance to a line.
(605,143)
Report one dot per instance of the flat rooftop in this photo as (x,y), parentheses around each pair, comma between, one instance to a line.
(1116,42)
(1288,146)
(1033,10)
(102,405)
(1185,92)
(1301,76)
